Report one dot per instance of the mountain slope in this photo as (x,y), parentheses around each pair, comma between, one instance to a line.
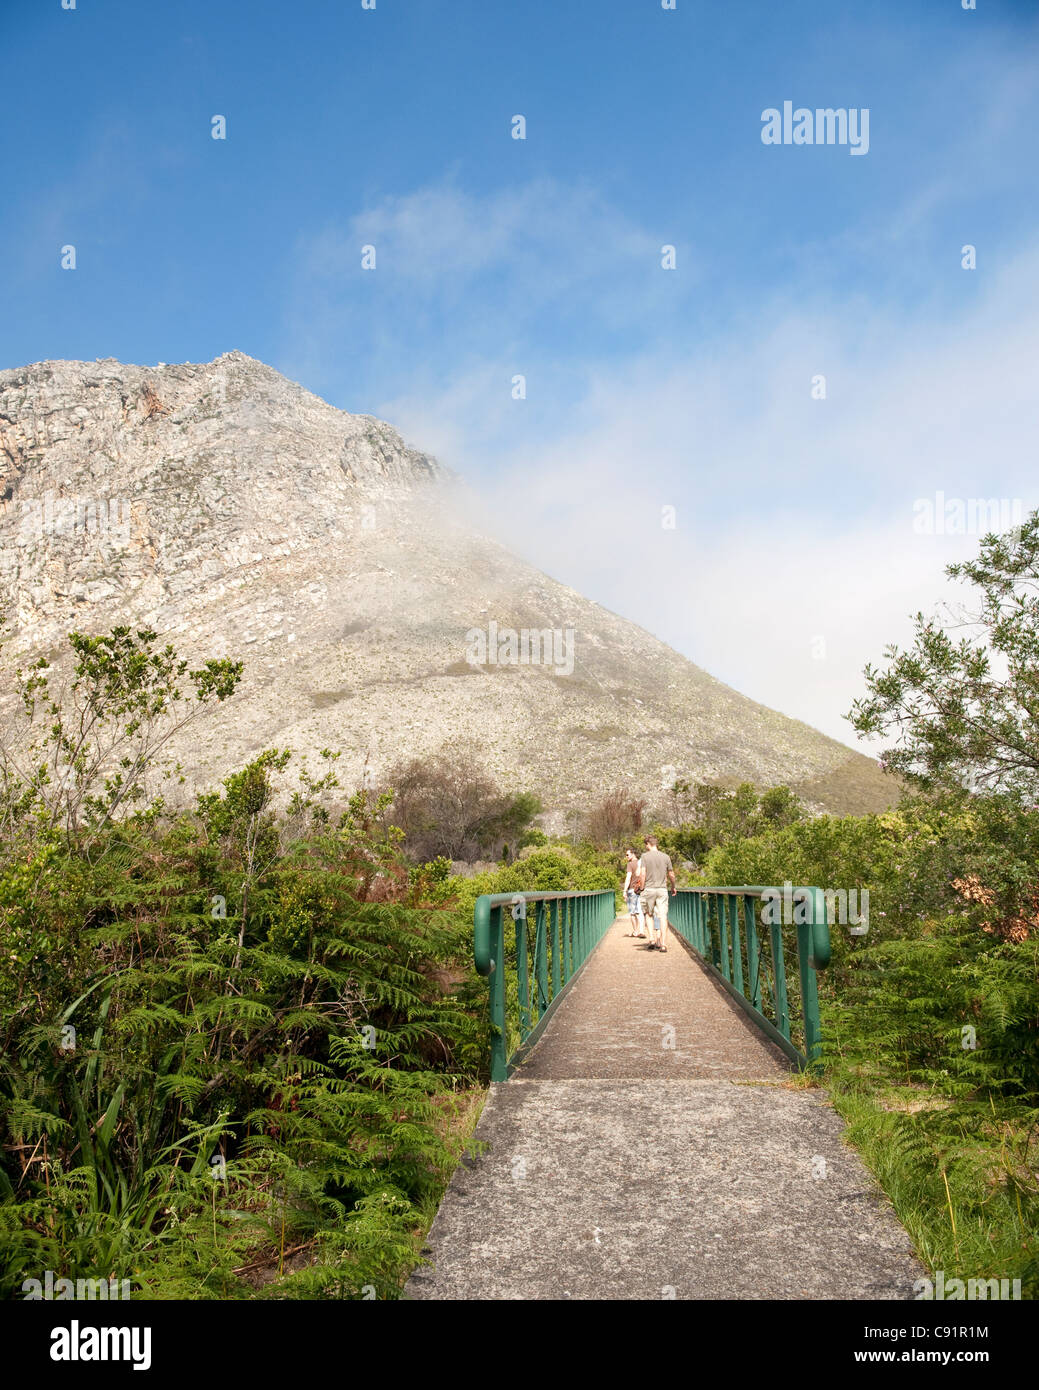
(240,515)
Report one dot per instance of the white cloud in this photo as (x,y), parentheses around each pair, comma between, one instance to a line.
(794,516)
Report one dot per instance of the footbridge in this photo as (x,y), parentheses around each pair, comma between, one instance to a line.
(649,1132)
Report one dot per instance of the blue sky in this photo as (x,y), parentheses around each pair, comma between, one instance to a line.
(645,387)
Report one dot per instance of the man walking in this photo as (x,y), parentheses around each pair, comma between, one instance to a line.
(658,872)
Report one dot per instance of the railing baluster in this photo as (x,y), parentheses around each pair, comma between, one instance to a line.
(807,945)
(499,1040)
(733,904)
(568,949)
(723,929)
(523,976)
(553,913)
(753,952)
(541,959)
(712,932)
(710,952)
(779,979)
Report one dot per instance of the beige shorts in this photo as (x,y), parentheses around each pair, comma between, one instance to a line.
(654,902)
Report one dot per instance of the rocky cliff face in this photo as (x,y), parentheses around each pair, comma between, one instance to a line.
(240,515)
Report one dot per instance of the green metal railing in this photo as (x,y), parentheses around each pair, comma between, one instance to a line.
(738,933)
(555,933)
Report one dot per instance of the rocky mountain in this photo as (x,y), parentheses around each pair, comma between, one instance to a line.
(240,515)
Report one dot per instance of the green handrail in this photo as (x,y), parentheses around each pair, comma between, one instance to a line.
(567,927)
(708,919)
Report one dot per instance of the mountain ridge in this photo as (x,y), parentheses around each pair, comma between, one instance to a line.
(239,514)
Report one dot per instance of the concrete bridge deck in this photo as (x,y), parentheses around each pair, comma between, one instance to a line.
(653,1146)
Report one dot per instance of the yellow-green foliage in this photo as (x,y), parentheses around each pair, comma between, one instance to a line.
(553,868)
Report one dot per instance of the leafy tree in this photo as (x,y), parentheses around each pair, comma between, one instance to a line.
(779,806)
(684,843)
(79,755)
(963,701)
(721,815)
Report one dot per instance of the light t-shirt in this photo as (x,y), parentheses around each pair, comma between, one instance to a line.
(657,866)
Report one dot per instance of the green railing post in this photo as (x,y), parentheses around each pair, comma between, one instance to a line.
(710,951)
(723,930)
(553,914)
(753,952)
(489,950)
(732,902)
(775,932)
(813,951)
(541,959)
(564,912)
(522,970)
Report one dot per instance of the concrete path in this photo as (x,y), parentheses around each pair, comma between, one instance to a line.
(644,1014)
(652,1146)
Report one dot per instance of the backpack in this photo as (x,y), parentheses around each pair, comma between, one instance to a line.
(638,877)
